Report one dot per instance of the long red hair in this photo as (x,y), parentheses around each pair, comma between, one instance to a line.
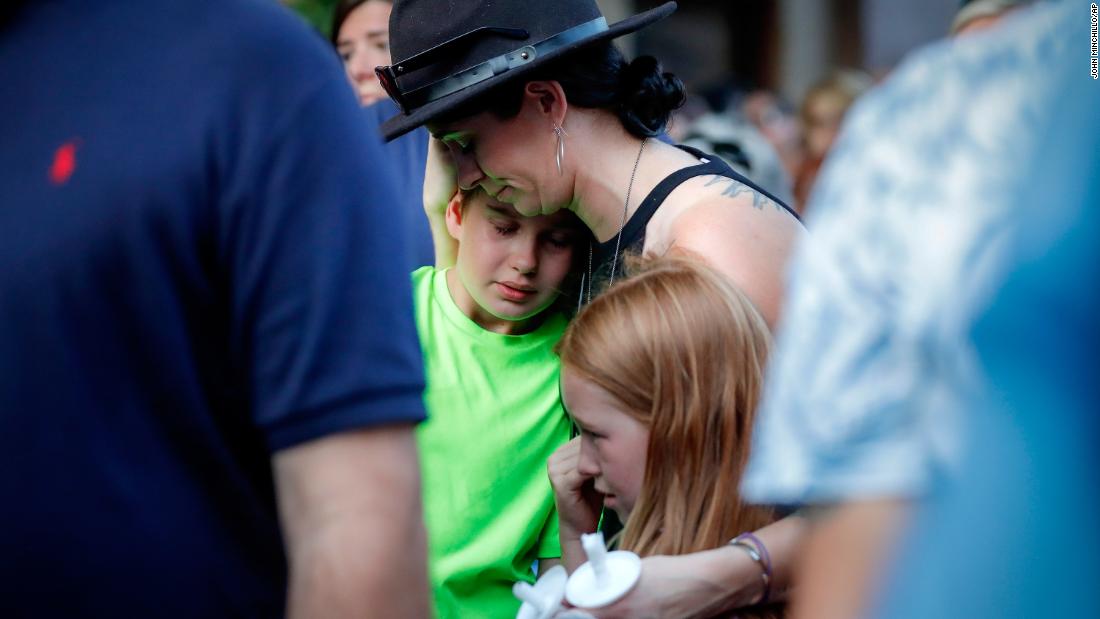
(684,351)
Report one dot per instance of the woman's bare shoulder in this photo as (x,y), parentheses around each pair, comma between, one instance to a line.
(712,204)
(737,231)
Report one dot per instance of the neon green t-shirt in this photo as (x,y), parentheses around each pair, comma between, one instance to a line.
(494,417)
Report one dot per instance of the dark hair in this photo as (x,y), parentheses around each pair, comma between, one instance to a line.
(341,12)
(639,93)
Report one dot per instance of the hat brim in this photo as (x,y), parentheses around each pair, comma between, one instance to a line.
(404,123)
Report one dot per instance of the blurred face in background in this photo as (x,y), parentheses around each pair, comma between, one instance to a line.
(363,42)
(821,117)
(780,126)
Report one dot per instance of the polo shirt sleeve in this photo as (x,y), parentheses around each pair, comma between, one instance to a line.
(319,273)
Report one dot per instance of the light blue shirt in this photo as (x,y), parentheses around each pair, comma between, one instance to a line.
(909,227)
(1014,533)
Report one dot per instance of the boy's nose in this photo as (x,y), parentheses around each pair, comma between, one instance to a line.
(524,256)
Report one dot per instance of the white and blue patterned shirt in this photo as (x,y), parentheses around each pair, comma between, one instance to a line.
(908,230)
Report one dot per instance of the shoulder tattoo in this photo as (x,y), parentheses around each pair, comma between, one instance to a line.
(733,189)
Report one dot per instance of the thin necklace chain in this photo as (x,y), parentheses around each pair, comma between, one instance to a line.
(583,298)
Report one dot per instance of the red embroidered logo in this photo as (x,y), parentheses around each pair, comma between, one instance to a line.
(64,163)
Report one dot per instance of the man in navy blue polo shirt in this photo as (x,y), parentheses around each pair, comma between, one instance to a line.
(209,370)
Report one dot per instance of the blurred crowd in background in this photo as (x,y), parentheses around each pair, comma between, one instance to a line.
(853,376)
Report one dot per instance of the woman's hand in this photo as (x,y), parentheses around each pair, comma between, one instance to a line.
(579,505)
(440,187)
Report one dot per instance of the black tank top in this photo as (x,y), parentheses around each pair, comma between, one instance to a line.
(633,233)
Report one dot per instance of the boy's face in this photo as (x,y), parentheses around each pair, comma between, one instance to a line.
(511,266)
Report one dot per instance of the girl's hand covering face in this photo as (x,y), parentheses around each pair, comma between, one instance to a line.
(579,505)
(440,179)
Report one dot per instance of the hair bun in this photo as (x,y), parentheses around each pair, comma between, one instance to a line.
(648,96)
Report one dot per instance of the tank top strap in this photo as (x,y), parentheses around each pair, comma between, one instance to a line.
(724,169)
(633,233)
(635,228)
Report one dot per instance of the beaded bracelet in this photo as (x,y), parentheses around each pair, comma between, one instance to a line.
(758,552)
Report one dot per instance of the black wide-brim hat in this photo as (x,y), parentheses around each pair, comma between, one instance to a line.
(451,51)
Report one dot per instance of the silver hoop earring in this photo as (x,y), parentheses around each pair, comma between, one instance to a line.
(560,154)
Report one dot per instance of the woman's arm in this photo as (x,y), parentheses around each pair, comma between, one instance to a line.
(704,584)
(440,187)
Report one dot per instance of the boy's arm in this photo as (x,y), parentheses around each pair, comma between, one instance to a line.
(440,187)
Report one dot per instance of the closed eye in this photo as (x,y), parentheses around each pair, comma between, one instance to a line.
(561,241)
(591,435)
(457,140)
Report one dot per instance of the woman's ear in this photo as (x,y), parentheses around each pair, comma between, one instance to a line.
(453,216)
(547,98)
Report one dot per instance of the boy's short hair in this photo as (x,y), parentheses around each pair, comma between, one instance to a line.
(465,195)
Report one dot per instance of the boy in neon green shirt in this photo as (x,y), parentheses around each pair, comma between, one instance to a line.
(487,330)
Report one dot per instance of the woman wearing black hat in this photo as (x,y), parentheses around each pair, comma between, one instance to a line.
(535,105)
